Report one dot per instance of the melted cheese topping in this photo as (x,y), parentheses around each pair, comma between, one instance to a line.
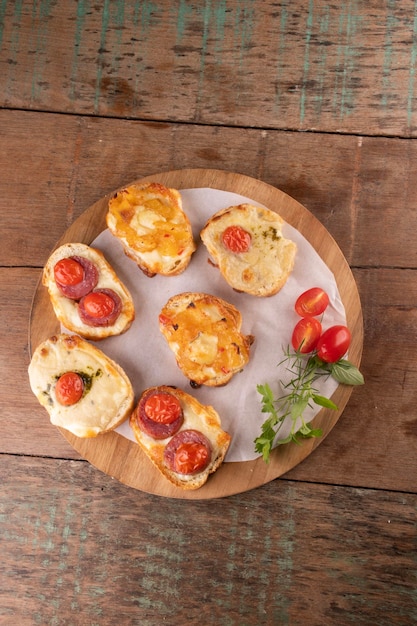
(149,221)
(106,397)
(269,258)
(197,417)
(66,310)
(205,340)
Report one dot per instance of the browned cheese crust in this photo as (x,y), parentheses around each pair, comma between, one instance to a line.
(154,231)
(203,332)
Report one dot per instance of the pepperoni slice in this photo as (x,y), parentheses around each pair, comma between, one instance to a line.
(236,239)
(75,276)
(100,307)
(69,388)
(159,414)
(188,452)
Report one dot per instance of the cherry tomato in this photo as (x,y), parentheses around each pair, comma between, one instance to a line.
(333,343)
(98,304)
(69,388)
(236,239)
(306,334)
(312,302)
(162,407)
(191,457)
(68,272)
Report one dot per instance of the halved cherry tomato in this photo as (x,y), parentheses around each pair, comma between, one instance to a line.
(98,304)
(191,457)
(333,344)
(236,239)
(312,302)
(162,407)
(306,334)
(69,388)
(68,272)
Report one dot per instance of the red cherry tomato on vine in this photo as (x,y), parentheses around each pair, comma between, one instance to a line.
(191,457)
(69,388)
(333,344)
(306,334)
(236,239)
(162,408)
(312,302)
(68,272)
(98,304)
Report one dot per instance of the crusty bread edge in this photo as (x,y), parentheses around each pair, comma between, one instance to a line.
(73,342)
(87,332)
(136,256)
(207,241)
(201,478)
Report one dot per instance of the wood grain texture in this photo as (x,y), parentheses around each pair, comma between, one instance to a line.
(372,445)
(40,198)
(351,184)
(78,547)
(25,430)
(341,67)
(93,95)
(122,459)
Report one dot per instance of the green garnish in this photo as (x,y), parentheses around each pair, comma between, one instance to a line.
(300,394)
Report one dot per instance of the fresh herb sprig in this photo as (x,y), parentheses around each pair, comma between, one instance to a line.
(301,393)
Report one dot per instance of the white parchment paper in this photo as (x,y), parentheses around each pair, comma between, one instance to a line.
(146,358)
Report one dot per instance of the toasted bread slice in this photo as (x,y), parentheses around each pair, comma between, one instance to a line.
(247,244)
(107,395)
(153,229)
(67,309)
(203,332)
(199,423)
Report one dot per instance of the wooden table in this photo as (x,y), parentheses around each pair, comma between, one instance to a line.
(95,95)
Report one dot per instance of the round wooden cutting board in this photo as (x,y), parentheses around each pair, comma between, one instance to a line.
(121,458)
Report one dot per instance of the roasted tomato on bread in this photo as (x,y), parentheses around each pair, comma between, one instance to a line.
(181,437)
(87,296)
(247,245)
(82,389)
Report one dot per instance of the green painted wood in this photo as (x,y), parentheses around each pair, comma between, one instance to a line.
(79,548)
(341,67)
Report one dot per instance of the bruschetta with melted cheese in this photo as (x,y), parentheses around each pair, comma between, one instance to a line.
(247,245)
(152,227)
(203,332)
(83,390)
(183,438)
(87,296)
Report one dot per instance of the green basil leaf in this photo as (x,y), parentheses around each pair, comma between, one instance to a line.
(346,373)
(323,401)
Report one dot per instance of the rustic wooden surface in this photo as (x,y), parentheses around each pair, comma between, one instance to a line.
(123,459)
(94,95)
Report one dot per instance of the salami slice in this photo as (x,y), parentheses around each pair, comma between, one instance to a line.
(157,428)
(89,278)
(100,307)
(188,452)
